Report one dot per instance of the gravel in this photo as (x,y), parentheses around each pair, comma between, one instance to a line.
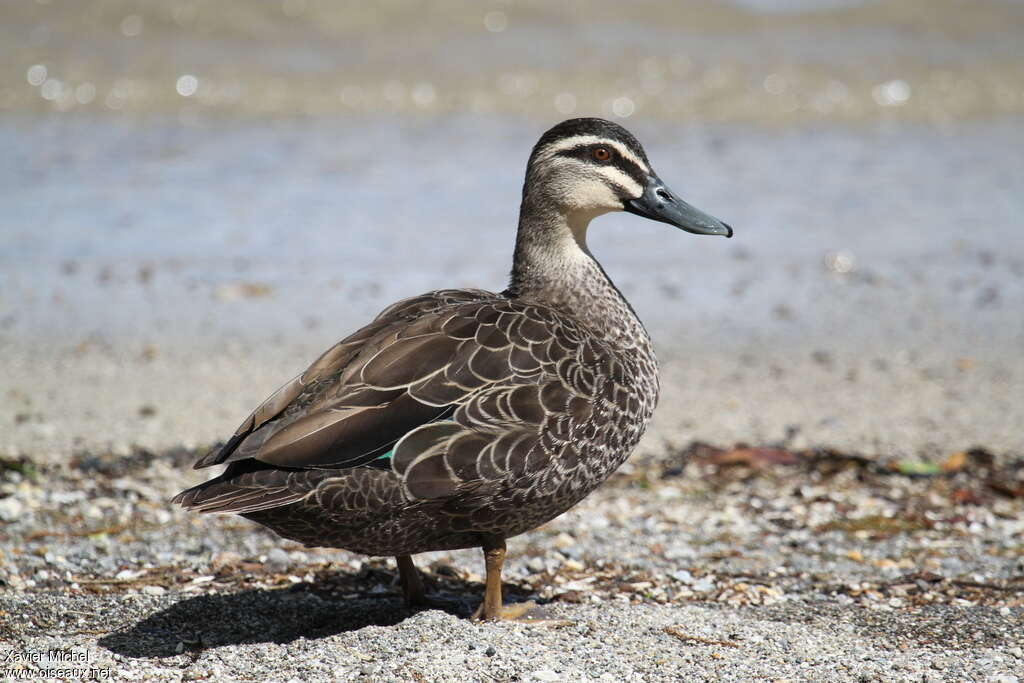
(723,563)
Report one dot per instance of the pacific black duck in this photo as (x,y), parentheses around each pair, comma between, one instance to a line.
(460,418)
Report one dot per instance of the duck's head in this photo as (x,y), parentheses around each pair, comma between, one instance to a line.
(586,167)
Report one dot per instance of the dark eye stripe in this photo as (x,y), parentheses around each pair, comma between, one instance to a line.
(627,166)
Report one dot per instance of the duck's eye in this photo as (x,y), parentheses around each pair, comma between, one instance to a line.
(602,154)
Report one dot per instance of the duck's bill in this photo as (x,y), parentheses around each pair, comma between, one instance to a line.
(661,204)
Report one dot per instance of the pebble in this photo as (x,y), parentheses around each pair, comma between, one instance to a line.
(703,585)
(563,541)
(10,509)
(682,576)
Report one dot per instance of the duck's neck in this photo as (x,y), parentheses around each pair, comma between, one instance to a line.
(554,267)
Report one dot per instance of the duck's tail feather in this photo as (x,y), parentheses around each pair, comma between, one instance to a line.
(250,486)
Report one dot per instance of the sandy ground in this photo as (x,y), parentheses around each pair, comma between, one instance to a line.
(926,406)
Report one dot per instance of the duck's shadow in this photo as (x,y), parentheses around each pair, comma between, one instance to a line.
(308,610)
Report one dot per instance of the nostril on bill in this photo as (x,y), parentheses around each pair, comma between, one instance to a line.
(663,194)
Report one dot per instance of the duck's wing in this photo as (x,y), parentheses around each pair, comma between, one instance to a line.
(460,395)
(293,426)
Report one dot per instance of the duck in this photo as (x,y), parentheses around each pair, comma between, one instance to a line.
(461,418)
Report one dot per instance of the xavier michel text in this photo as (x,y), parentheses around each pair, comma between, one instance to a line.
(55,663)
(55,656)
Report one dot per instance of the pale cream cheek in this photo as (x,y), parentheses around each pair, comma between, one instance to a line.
(583,188)
(591,194)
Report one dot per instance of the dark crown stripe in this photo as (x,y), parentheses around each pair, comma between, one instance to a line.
(590,126)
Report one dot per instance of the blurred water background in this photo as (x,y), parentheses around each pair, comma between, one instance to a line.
(196,197)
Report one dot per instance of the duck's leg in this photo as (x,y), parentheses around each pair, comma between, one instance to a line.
(412,587)
(491,608)
(412,582)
